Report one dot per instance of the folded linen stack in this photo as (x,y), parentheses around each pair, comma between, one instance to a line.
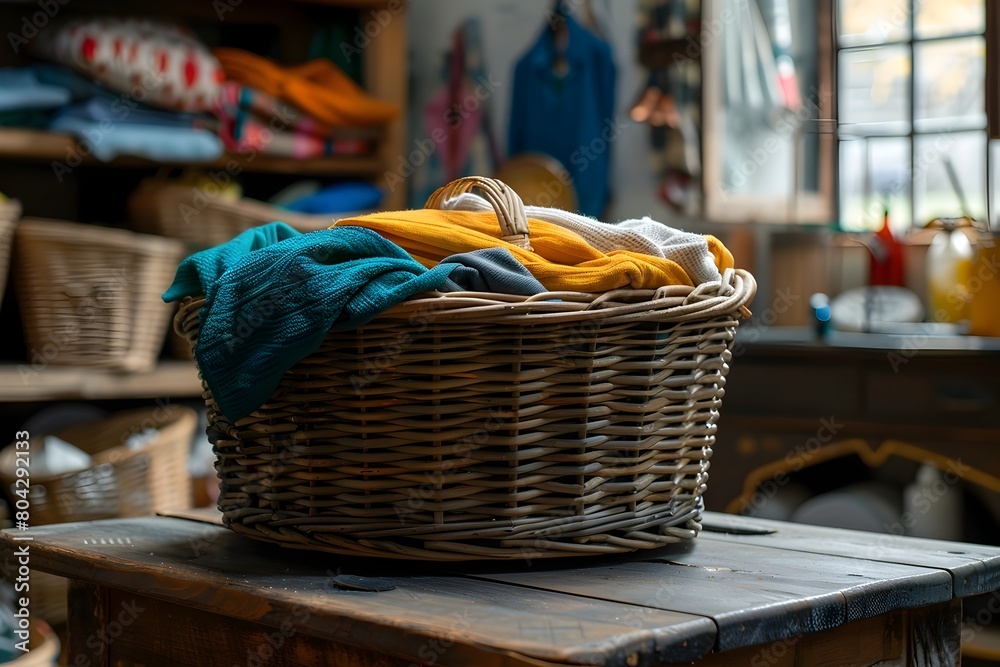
(252,120)
(272,294)
(59,99)
(309,110)
(151,89)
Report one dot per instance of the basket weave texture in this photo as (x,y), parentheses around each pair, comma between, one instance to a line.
(90,296)
(199,219)
(469,426)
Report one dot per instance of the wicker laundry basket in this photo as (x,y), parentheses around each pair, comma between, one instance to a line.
(468,426)
(191,215)
(90,296)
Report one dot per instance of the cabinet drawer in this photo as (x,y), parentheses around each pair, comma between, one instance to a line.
(962,399)
(800,390)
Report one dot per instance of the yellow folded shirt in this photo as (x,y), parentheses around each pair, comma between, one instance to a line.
(562,260)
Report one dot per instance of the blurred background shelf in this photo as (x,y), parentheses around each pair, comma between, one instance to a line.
(983,646)
(44,146)
(21,383)
(665,52)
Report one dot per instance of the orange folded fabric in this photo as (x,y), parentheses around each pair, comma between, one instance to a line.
(319,88)
(562,260)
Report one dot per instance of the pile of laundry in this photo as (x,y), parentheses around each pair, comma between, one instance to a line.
(272,293)
(152,90)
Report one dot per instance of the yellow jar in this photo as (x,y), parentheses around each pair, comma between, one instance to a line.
(984,288)
(949,268)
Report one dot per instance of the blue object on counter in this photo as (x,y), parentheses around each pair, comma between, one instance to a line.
(820,304)
(338,198)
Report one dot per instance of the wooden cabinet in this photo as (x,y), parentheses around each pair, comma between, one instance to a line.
(382,23)
(800,397)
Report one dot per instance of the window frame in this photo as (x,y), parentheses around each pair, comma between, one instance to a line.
(819,207)
(992,123)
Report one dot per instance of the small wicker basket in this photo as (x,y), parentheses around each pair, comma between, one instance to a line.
(90,296)
(468,426)
(184,212)
(122,481)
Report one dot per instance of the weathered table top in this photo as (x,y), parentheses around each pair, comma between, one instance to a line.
(741,582)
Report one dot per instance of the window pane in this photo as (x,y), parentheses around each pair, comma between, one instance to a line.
(935,196)
(873,21)
(950,77)
(852,184)
(771,146)
(759,154)
(875,87)
(940,18)
(874,173)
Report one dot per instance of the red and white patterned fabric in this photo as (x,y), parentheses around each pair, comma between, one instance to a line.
(156,63)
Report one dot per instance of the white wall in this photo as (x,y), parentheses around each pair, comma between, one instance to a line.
(509,28)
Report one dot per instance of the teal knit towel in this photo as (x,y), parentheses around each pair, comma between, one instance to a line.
(200,270)
(271,295)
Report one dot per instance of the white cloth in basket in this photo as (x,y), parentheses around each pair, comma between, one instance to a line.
(643,235)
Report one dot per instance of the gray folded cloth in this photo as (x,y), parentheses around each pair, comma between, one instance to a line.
(490,270)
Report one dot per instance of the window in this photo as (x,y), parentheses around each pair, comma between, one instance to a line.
(769,144)
(912,131)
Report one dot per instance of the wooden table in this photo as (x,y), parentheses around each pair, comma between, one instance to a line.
(179,591)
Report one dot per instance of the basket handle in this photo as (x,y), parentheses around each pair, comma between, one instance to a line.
(506,203)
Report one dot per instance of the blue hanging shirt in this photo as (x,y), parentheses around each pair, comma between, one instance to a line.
(569,117)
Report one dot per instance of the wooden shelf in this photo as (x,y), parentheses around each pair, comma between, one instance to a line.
(36,145)
(19,383)
(289,27)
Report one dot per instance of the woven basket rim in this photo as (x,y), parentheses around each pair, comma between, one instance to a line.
(65,231)
(669,303)
(175,194)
